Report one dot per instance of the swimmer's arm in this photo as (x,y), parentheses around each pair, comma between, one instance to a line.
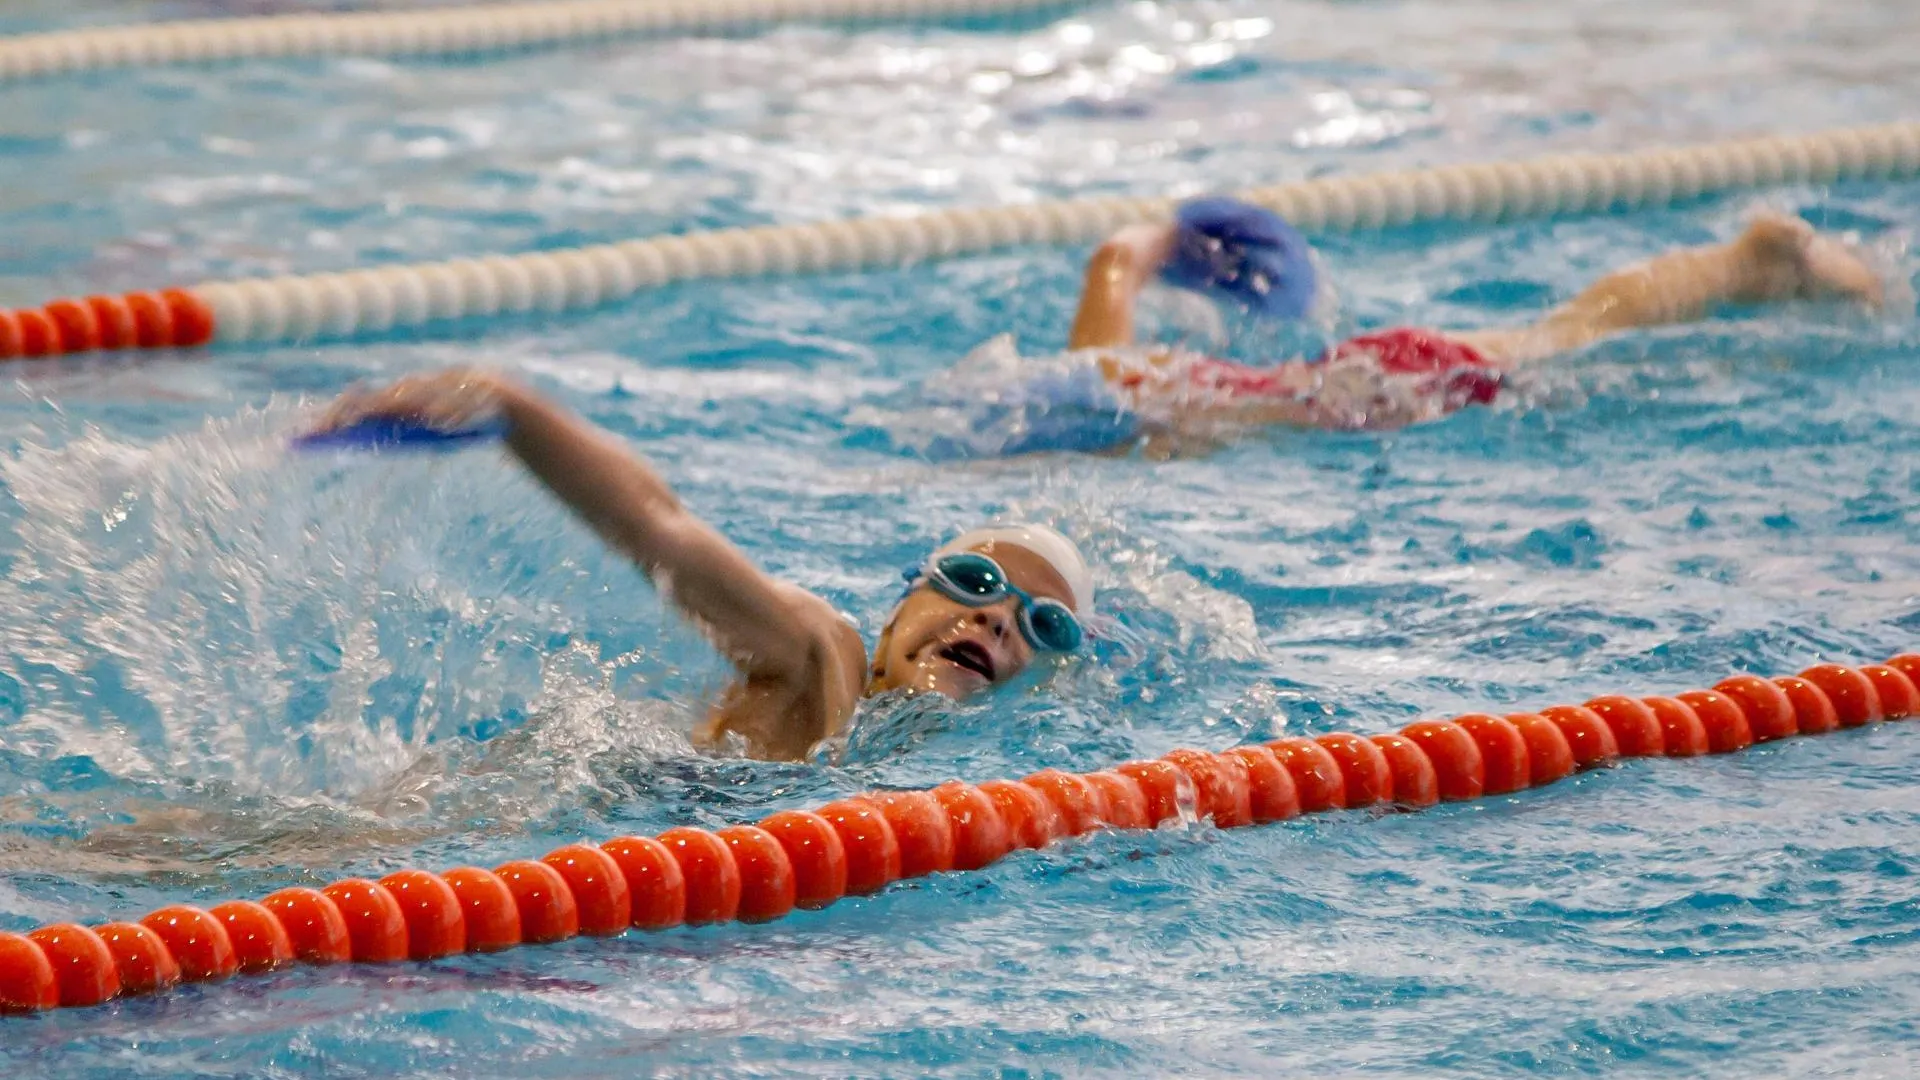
(773,632)
(767,628)
(1115,275)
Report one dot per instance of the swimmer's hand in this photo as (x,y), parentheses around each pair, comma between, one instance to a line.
(459,400)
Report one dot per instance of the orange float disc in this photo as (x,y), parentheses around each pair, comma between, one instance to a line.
(1769,714)
(140,958)
(436,925)
(598,885)
(315,928)
(766,876)
(1726,725)
(1636,731)
(376,929)
(1680,727)
(83,967)
(1457,764)
(487,911)
(260,942)
(1549,757)
(873,853)
(1505,763)
(196,940)
(1271,794)
(814,851)
(1318,781)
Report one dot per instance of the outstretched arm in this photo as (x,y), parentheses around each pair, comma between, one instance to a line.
(790,645)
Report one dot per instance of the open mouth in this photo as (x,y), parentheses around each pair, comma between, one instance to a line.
(970,655)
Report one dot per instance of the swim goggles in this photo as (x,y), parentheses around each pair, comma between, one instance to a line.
(973,579)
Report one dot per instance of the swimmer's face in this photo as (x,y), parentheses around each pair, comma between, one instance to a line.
(939,645)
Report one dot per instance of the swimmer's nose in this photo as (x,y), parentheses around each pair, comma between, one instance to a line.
(996,622)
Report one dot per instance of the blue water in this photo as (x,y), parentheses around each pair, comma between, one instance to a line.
(224,670)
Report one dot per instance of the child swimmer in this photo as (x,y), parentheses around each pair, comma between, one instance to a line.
(977,613)
(1400,376)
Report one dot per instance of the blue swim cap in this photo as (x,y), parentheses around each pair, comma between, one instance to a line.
(1238,251)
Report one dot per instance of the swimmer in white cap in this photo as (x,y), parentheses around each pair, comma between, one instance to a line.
(976,614)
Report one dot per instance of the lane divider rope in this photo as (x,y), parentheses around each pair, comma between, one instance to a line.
(856,846)
(362,302)
(487,28)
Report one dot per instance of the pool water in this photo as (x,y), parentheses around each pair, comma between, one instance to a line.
(224,669)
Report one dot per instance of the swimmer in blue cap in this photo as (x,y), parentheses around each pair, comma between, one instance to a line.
(1248,257)
(977,612)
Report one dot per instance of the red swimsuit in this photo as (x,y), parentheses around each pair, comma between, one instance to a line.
(1455,371)
(1458,370)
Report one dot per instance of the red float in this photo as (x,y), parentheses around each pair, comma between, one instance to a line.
(1588,736)
(980,837)
(38,335)
(1549,756)
(1032,820)
(1769,713)
(547,908)
(1726,725)
(79,331)
(1457,763)
(598,885)
(260,942)
(1082,810)
(1506,765)
(1125,801)
(436,925)
(11,345)
(315,928)
(192,318)
(1271,794)
(83,967)
(196,940)
(487,910)
(1853,697)
(711,879)
(1680,727)
(152,320)
(26,977)
(1365,776)
(1898,697)
(1317,780)
(1636,731)
(873,853)
(117,330)
(140,958)
(656,889)
(766,876)
(1812,713)
(1165,785)
(920,827)
(1219,786)
(1907,664)
(1415,783)
(376,929)
(814,851)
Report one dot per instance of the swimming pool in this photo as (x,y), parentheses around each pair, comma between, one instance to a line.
(225,671)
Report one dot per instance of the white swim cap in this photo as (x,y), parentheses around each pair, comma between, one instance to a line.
(1048,543)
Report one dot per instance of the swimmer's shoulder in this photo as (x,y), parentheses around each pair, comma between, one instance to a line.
(835,646)
(782,715)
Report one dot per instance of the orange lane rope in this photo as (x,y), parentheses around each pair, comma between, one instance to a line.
(809,859)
